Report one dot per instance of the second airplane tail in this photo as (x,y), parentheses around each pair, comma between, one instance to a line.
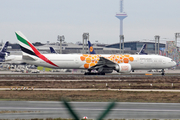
(3,52)
(91,49)
(142,51)
(4,48)
(52,50)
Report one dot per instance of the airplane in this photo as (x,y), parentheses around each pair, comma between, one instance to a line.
(101,63)
(52,50)
(15,60)
(5,56)
(3,52)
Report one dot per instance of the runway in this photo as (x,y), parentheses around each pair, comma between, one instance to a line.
(60,89)
(78,75)
(128,110)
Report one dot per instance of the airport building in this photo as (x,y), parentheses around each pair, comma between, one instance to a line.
(67,48)
(134,46)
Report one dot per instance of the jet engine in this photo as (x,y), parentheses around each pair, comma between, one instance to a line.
(123,68)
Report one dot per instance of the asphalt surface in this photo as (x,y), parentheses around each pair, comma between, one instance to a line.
(50,109)
(60,89)
(136,73)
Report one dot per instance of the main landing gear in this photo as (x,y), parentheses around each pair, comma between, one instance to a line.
(90,73)
(94,73)
(162,72)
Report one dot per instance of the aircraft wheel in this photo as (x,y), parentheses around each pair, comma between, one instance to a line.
(162,72)
(101,74)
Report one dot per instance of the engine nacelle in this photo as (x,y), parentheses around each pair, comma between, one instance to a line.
(123,68)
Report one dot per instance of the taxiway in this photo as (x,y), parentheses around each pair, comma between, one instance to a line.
(52,109)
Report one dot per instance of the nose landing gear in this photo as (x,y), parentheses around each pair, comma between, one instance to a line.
(162,72)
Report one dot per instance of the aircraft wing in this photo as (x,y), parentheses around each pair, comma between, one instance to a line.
(104,63)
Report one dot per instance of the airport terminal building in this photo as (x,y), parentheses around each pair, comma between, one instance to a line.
(68,48)
(129,47)
(135,46)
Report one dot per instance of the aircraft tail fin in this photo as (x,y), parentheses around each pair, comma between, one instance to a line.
(3,52)
(142,51)
(28,48)
(91,49)
(52,50)
(4,48)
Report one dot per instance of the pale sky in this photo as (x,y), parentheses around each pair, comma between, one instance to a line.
(43,20)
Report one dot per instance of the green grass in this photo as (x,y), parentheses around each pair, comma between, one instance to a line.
(41,68)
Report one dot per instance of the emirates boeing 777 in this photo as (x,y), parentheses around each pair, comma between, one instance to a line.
(101,63)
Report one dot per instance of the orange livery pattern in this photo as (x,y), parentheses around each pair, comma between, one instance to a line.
(92,60)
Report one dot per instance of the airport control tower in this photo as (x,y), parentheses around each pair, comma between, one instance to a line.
(121,15)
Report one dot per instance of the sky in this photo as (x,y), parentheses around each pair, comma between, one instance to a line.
(44,20)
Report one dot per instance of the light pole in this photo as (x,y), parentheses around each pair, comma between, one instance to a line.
(121,40)
(85,37)
(177,35)
(60,39)
(156,39)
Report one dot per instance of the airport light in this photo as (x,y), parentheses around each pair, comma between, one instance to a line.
(121,40)
(156,39)
(177,35)
(85,37)
(60,39)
